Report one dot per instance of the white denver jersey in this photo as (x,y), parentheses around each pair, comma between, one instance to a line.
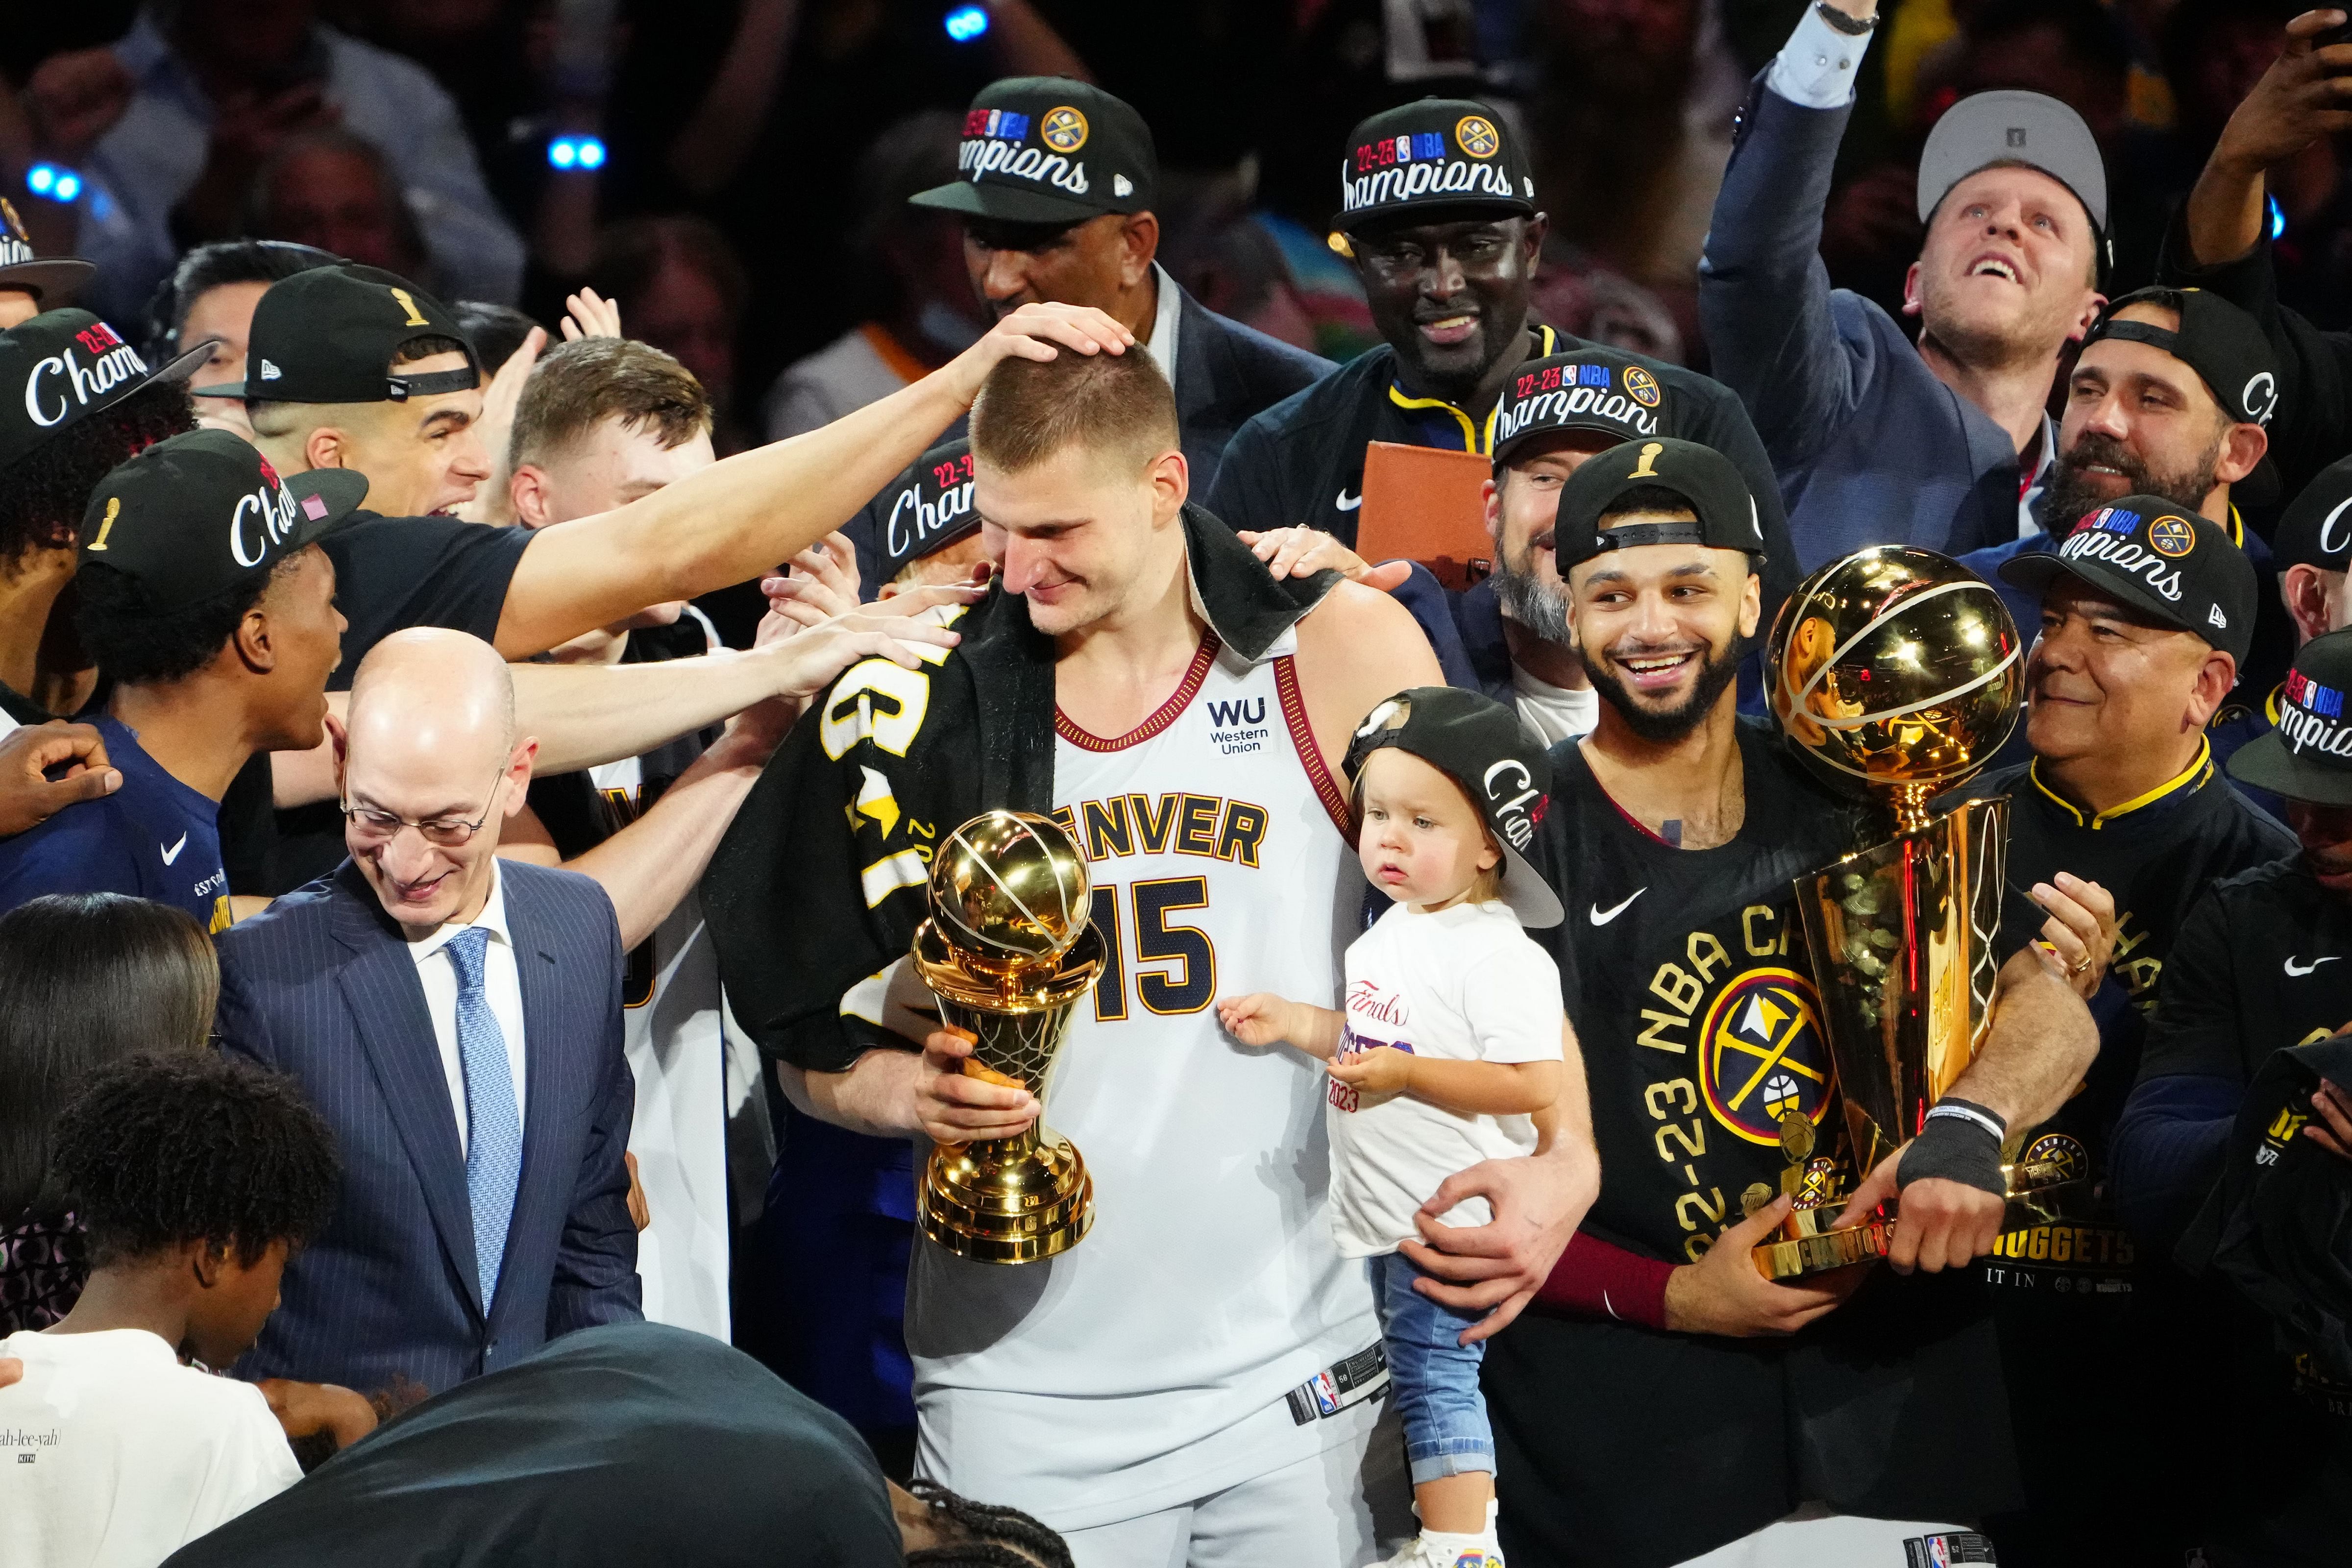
(698,1090)
(1148,1366)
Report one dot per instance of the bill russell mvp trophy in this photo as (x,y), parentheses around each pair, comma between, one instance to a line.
(1008,952)
(1896,674)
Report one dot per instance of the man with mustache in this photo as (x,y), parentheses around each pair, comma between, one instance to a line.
(2228,1149)
(2172,397)
(1675,832)
(2013,197)
(2147,613)
(1507,634)
(1438,216)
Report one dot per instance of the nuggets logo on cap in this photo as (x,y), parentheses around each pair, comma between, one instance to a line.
(1478,136)
(1064,130)
(1642,386)
(2171,536)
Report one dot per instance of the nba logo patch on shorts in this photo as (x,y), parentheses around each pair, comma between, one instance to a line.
(1942,1550)
(1327,1394)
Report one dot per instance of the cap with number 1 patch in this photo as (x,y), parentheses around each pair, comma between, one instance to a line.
(1723,513)
(193,516)
(331,335)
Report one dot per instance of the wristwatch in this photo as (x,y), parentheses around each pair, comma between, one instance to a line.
(1852,27)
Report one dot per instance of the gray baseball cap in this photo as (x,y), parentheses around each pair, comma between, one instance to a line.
(2010,127)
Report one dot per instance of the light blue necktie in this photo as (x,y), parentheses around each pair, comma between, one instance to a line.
(494,1131)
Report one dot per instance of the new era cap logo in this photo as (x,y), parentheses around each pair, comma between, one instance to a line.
(2213,617)
(270,372)
(1120,185)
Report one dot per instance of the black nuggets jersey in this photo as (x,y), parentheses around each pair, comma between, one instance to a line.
(1687,980)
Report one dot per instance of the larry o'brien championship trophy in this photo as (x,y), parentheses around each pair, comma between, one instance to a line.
(1896,674)
(1008,952)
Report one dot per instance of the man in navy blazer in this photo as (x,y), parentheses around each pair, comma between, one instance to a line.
(458,1019)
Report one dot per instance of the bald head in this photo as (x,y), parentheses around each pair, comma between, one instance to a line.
(431,770)
(435,691)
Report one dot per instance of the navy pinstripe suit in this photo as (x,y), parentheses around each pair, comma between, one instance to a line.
(321,986)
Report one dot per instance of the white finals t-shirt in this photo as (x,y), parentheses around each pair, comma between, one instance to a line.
(112,1455)
(1464,984)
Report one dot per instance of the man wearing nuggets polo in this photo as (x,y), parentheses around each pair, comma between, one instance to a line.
(1866,1398)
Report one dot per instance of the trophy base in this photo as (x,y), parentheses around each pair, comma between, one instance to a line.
(1809,1246)
(1013,1200)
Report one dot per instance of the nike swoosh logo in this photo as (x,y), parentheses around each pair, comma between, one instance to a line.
(1601,917)
(2307,968)
(174,852)
(1349,502)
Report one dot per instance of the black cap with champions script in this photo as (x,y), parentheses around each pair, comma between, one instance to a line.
(1708,483)
(1478,742)
(195,515)
(2308,754)
(61,367)
(51,280)
(2225,347)
(930,510)
(1434,158)
(1592,389)
(330,335)
(2160,558)
(1048,150)
(2316,529)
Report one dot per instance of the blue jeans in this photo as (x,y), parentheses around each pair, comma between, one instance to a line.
(1433,1378)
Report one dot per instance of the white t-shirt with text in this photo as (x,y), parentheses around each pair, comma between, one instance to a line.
(1464,983)
(112,1455)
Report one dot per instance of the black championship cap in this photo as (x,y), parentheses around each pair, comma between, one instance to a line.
(2160,558)
(931,511)
(330,335)
(2227,350)
(2316,529)
(51,282)
(2011,127)
(1048,150)
(61,366)
(1704,478)
(1437,158)
(195,515)
(2309,755)
(1478,742)
(1592,389)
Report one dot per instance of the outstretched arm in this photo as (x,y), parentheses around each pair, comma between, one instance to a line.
(1466,1088)
(2300,99)
(1261,1018)
(741,518)
(1763,291)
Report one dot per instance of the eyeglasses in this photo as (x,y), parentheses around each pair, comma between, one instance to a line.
(372,827)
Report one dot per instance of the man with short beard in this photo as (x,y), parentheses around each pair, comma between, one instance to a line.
(1880,434)
(1439,218)
(1507,634)
(2172,397)
(1675,833)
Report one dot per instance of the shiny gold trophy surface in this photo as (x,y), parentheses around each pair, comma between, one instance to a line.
(1896,674)
(1008,952)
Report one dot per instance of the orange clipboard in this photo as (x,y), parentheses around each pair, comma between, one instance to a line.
(1426,505)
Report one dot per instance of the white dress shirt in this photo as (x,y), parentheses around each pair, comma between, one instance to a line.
(1816,67)
(437,973)
(1164,318)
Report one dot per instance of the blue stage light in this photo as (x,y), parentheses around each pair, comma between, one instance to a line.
(2278,218)
(966,23)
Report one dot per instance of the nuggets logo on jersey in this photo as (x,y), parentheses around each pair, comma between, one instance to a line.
(1762,1054)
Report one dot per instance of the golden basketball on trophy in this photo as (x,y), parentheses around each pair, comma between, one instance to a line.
(1008,952)
(1896,674)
